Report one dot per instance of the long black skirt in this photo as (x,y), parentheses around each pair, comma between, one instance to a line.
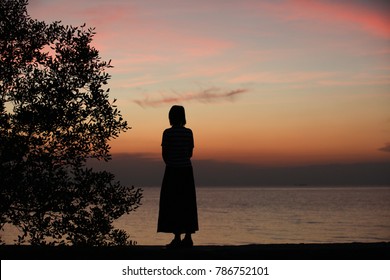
(178,211)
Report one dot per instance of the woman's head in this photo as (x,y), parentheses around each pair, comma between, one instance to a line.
(177,116)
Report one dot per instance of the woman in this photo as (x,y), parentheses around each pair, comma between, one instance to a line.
(178,211)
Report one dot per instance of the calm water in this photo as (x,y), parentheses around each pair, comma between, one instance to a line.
(274,215)
(246,215)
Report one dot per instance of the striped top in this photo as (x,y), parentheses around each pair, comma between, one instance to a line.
(177,144)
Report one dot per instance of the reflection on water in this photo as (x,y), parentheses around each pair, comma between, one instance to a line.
(246,215)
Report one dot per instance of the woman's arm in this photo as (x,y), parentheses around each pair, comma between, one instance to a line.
(164,154)
(190,152)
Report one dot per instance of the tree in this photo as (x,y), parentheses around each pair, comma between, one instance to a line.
(54,115)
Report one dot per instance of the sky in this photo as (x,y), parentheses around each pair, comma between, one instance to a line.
(264,83)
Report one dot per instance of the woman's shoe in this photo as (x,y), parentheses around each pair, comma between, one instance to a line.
(187,243)
(175,243)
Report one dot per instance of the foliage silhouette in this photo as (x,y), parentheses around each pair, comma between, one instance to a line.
(55,114)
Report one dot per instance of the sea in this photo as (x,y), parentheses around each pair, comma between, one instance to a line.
(273,215)
(270,215)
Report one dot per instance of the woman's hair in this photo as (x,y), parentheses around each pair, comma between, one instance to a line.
(177,116)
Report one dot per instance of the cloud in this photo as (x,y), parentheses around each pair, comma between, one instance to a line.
(386,148)
(358,16)
(205,96)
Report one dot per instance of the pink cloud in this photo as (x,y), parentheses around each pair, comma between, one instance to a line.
(130,34)
(356,16)
(108,13)
(160,38)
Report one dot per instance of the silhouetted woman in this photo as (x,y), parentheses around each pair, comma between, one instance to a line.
(178,211)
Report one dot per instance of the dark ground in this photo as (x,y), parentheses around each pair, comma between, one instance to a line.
(339,251)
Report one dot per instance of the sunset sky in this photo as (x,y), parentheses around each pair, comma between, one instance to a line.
(269,83)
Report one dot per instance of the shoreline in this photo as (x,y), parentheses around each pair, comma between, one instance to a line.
(303,251)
